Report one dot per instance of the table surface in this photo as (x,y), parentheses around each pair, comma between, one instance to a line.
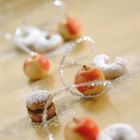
(115,27)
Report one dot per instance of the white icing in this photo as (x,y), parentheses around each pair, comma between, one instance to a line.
(42,44)
(118,131)
(38,96)
(116,69)
(26,35)
(36,39)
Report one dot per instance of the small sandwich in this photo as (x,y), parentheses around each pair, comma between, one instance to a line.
(35,103)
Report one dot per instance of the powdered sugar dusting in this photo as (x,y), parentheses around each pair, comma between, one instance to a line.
(40,41)
(37,96)
(118,131)
(126,84)
(116,69)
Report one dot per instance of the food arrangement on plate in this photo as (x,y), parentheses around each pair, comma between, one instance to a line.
(89,81)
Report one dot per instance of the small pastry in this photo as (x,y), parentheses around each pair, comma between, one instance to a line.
(110,70)
(36,66)
(87,74)
(46,42)
(70,28)
(37,40)
(118,131)
(81,129)
(35,103)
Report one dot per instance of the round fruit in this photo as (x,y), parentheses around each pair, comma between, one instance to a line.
(87,74)
(70,28)
(36,66)
(81,129)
